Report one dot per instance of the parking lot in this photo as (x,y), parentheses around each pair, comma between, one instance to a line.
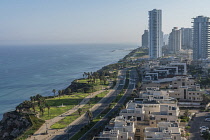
(196,123)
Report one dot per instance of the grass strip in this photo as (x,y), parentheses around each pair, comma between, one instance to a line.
(68,101)
(69,119)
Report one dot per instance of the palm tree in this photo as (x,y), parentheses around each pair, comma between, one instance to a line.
(59,93)
(48,107)
(89,115)
(63,92)
(41,108)
(54,91)
(79,111)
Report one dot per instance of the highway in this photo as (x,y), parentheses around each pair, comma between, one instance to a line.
(96,110)
(104,120)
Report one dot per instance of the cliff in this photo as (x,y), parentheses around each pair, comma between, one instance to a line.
(12,125)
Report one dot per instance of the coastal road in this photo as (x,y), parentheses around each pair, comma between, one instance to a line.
(197,122)
(96,109)
(105,119)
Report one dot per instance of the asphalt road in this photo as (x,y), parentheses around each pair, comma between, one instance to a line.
(103,104)
(195,125)
(119,104)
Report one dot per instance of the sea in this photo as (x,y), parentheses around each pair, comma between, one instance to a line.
(28,70)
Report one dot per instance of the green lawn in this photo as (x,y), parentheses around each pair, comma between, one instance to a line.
(68,119)
(69,101)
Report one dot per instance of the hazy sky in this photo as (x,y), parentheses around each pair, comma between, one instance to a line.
(90,21)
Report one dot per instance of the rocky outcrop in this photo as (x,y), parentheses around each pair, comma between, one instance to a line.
(12,125)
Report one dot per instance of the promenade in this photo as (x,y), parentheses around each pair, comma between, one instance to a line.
(40,134)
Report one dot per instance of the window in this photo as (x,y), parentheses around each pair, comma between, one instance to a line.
(197,93)
(184,93)
(193,93)
(137,130)
(163,119)
(189,93)
(169,113)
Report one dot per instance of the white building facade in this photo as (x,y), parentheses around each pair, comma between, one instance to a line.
(155,34)
(201,37)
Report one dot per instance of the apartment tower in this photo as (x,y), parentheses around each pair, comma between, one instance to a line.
(187,39)
(201,37)
(174,43)
(155,34)
(144,39)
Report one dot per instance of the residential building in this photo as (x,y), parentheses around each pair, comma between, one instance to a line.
(186,89)
(187,38)
(201,35)
(155,34)
(118,128)
(145,39)
(165,39)
(149,112)
(174,43)
(163,131)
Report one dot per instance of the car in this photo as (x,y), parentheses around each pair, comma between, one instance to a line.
(207,119)
(203,131)
(204,127)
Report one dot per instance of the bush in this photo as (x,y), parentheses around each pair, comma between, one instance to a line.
(183,120)
(187,127)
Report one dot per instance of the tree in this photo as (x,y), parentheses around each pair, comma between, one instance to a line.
(48,107)
(54,91)
(41,108)
(79,111)
(89,115)
(186,113)
(59,93)
(96,98)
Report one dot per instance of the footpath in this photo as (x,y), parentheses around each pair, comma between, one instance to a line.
(40,134)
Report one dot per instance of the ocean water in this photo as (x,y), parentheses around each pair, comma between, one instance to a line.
(29,70)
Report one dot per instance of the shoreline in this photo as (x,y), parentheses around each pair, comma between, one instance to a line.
(68,85)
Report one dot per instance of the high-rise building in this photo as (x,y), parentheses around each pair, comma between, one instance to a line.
(201,37)
(187,39)
(144,38)
(155,33)
(165,39)
(174,43)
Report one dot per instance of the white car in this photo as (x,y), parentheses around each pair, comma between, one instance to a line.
(207,119)
(203,131)
(204,127)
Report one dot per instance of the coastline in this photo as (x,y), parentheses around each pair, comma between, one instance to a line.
(77,76)
(108,69)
